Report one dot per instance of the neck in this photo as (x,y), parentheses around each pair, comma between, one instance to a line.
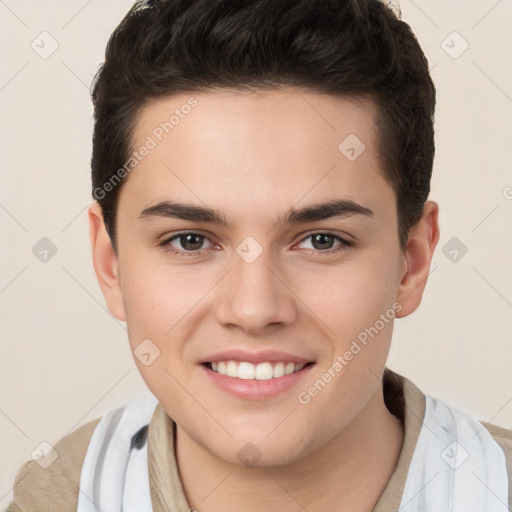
(349,472)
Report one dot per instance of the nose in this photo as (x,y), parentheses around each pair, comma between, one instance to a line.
(255,297)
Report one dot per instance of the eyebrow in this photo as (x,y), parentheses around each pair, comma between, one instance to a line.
(187,211)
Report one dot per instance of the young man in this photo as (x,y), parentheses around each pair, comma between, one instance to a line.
(261,170)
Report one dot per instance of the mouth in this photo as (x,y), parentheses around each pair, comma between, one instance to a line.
(267,370)
(256,375)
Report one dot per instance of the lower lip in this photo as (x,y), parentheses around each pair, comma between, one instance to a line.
(253,389)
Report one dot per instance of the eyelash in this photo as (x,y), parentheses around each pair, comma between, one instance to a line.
(344,244)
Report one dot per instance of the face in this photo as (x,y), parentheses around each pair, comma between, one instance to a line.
(267,279)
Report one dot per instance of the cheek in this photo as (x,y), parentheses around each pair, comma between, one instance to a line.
(156,298)
(152,308)
(157,305)
(352,295)
(164,304)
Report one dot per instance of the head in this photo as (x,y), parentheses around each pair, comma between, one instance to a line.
(298,138)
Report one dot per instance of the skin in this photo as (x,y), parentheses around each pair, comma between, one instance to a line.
(253,156)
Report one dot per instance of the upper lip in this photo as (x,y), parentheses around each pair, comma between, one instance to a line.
(255,357)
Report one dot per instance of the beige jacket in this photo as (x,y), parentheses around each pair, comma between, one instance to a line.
(56,488)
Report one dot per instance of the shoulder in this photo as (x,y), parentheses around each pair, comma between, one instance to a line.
(500,434)
(503,437)
(53,486)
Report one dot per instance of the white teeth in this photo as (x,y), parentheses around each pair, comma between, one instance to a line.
(246,370)
(289,368)
(279,370)
(231,369)
(261,371)
(264,371)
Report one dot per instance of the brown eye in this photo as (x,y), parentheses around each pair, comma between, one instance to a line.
(185,243)
(191,241)
(323,242)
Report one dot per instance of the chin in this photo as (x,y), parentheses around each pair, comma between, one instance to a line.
(252,455)
(265,451)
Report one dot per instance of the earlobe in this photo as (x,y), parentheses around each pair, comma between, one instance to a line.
(422,241)
(105,262)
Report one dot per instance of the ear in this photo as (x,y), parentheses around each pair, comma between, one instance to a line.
(422,241)
(105,262)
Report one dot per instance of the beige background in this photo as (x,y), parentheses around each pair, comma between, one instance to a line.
(65,360)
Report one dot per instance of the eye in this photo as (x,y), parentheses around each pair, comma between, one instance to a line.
(322,242)
(188,243)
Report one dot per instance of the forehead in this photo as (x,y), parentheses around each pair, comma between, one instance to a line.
(228,148)
(302,119)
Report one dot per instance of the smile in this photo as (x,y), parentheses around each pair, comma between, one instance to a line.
(256,375)
(262,371)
